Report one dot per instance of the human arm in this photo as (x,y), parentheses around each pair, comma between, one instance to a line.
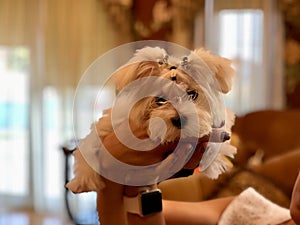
(162,154)
(110,202)
(110,206)
(194,213)
(135,219)
(174,212)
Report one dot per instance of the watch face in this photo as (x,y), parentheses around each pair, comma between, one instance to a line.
(151,202)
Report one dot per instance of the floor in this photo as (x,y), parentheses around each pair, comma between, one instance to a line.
(30,218)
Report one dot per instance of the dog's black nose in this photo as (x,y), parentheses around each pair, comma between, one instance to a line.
(173,68)
(179,121)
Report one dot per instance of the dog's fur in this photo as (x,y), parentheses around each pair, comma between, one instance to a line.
(151,107)
(147,108)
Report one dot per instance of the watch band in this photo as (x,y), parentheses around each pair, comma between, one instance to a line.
(146,202)
(132,204)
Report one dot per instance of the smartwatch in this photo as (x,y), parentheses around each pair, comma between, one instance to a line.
(145,203)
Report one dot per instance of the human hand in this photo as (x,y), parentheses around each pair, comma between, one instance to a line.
(150,166)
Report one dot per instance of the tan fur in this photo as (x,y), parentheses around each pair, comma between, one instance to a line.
(220,66)
(147,108)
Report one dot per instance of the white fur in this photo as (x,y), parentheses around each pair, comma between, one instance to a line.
(148,54)
(208,74)
(219,162)
(157,129)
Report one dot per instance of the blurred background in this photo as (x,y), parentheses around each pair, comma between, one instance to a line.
(46,46)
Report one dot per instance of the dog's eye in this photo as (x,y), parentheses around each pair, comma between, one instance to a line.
(160,101)
(193,94)
(160,62)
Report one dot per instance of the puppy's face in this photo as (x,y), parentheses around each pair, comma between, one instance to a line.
(176,105)
(177,109)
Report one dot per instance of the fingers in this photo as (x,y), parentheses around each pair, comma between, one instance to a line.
(176,160)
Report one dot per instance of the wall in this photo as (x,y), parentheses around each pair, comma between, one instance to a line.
(291,13)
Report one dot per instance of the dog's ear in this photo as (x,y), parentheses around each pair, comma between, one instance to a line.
(134,71)
(143,63)
(220,66)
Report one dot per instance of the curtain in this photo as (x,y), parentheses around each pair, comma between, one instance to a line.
(63,37)
(251,34)
(74,34)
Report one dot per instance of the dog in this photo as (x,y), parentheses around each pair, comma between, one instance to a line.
(171,99)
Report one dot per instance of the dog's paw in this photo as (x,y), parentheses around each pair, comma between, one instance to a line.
(81,184)
(86,179)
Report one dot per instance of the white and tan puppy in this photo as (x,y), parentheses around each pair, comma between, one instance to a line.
(171,99)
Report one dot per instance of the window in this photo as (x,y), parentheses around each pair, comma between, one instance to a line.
(52,136)
(241,39)
(249,33)
(14,121)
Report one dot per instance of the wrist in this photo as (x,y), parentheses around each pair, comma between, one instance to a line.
(143,201)
(133,191)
